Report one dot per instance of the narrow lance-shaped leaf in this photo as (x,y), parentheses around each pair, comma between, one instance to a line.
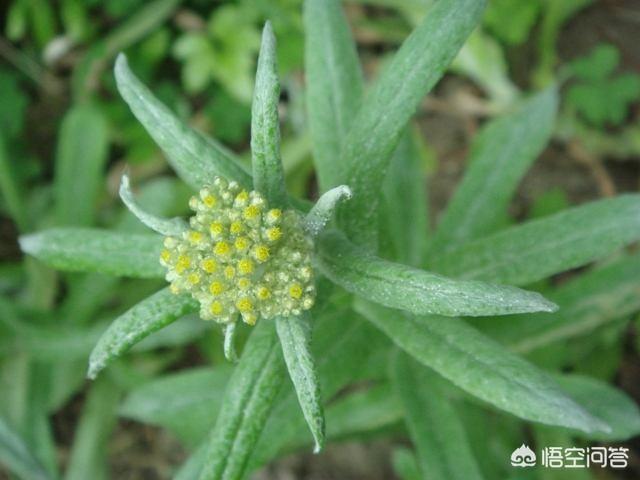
(141,320)
(404,209)
(586,302)
(268,175)
(436,431)
(610,404)
(229,342)
(334,85)
(164,226)
(96,250)
(412,72)
(482,367)
(247,402)
(539,248)
(500,155)
(322,211)
(81,155)
(294,334)
(196,158)
(417,291)
(15,454)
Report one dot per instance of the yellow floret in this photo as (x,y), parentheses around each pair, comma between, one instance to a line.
(263,293)
(216,229)
(244,304)
(295,291)
(194,278)
(173,288)
(229,272)
(249,318)
(165,256)
(183,263)
(273,234)
(261,252)
(209,200)
(245,266)
(216,288)
(194,237)
(251,212)
(216,308)
(222,249)
(244,283)
(242,197)
(274,215)
(241,243)
(209,265)
(236,227)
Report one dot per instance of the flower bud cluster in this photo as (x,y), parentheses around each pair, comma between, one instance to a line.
(239,256)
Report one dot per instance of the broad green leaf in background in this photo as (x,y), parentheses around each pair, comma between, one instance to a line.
(404,210)
(334,85)
(94,250)
(294,334)
(88,457)
(606,402)
(148,316)
(586,302)
(482,367)
(187,403)
(405,464)
(15,454)
(80,160)
(268,176)
(247,402)
(196,158)
(418,291)
(512,20)
(500,156)
(392,100)
(436,431)
(537,249)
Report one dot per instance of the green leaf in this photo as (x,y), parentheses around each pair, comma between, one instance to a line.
(294,334)
(10,188)
(186,403)
(347,349)
(482,367)
(436,431)
(247,402)
(80,159)
(229,346)
(322,211)
(168,227)
(196,158)
(418,291)
(586,303)
(404,209)
(334,85)
(500,156)
(412,72)
(15,454)
(141,320)
(268,176)
(96,250)
(613,406)
(88,457)
(405,464)
(534,250)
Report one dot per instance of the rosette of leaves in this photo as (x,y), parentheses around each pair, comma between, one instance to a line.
(369,258)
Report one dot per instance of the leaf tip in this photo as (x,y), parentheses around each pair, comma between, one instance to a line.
(30,243)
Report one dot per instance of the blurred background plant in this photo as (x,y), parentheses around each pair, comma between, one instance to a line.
(65,138)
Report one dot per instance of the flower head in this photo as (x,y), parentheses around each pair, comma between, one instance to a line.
(240,256)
